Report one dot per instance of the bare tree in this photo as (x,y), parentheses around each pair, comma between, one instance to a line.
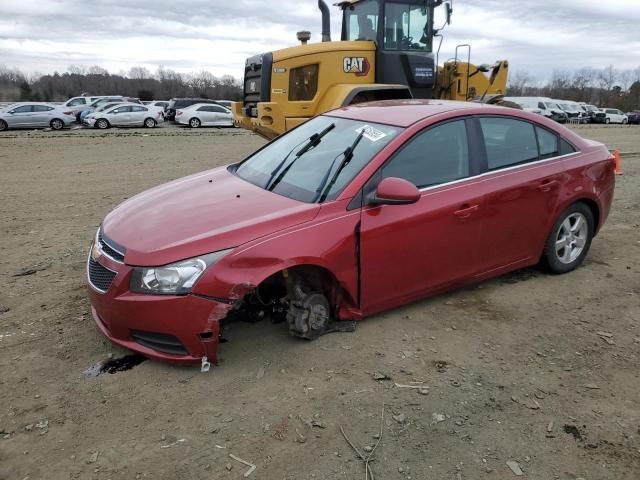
(560,84)
(97,70)
(518,83)
(606,79)
(139,73)
(75,69)
(582,83)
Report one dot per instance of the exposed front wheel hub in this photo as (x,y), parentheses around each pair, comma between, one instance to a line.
(308,317)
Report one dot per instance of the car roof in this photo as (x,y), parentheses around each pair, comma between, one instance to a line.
(193,98)
(127,104)
(403,113)
(21,104)
(208,104)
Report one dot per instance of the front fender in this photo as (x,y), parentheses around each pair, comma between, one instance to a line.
(329,241)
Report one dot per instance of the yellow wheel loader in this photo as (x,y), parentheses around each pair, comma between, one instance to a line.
(386,52)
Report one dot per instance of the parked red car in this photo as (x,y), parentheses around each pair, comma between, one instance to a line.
(354,212)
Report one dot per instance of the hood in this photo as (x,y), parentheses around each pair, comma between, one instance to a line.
(203,213)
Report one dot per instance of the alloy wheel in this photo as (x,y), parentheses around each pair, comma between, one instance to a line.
(57,124)
(572,238)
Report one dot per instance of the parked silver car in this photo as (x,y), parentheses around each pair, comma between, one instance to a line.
(35,115)
(205,115)
(102,108)
(125,115)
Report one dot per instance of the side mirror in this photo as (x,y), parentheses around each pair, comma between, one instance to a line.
(395,191)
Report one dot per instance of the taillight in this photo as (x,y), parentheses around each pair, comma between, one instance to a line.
(68,113)
(179,112)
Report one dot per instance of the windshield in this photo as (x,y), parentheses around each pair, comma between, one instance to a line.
(288,166)
(102,101)
(551,105)
(405,27)
(106,107)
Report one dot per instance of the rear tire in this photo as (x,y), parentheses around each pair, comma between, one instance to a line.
(3,126)
(56,124)
(570,239)
(194,123)
(607,121)
(624,121)
(102,123)
(149,123)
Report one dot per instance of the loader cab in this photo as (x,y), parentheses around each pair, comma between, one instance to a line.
(403,33)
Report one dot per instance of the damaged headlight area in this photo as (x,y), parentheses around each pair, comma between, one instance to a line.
(174,279)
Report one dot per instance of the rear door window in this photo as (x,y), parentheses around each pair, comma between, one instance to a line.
(547,143)
(437,155)
(508,142)
(566,148)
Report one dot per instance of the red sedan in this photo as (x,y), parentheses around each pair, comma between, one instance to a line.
(357,211)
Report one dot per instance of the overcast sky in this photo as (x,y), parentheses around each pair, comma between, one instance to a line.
(217,35)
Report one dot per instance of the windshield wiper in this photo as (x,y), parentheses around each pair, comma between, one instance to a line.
(312,142)
(326,185)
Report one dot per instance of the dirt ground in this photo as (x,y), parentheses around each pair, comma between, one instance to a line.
(529,368)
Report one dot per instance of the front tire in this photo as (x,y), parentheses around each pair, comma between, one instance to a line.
(149,123)
(194,123)
(56,124)
(570,239)
(607,121)
(3,126)
(102,123)
(624,121)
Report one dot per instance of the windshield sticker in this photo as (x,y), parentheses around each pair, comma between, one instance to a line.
(370,133)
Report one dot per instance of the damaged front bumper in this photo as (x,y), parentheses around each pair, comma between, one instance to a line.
(172,328)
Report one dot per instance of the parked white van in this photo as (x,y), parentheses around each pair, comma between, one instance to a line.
(615,116)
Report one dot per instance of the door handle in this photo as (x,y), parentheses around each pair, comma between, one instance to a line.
(547,185)
(466,210)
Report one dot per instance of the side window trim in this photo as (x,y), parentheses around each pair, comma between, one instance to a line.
(482,148)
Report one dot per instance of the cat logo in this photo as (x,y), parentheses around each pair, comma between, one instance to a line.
(358,65)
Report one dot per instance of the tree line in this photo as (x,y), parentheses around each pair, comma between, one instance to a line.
(606,87)
(138,82)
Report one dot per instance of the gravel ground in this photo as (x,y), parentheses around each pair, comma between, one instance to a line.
(530,370)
